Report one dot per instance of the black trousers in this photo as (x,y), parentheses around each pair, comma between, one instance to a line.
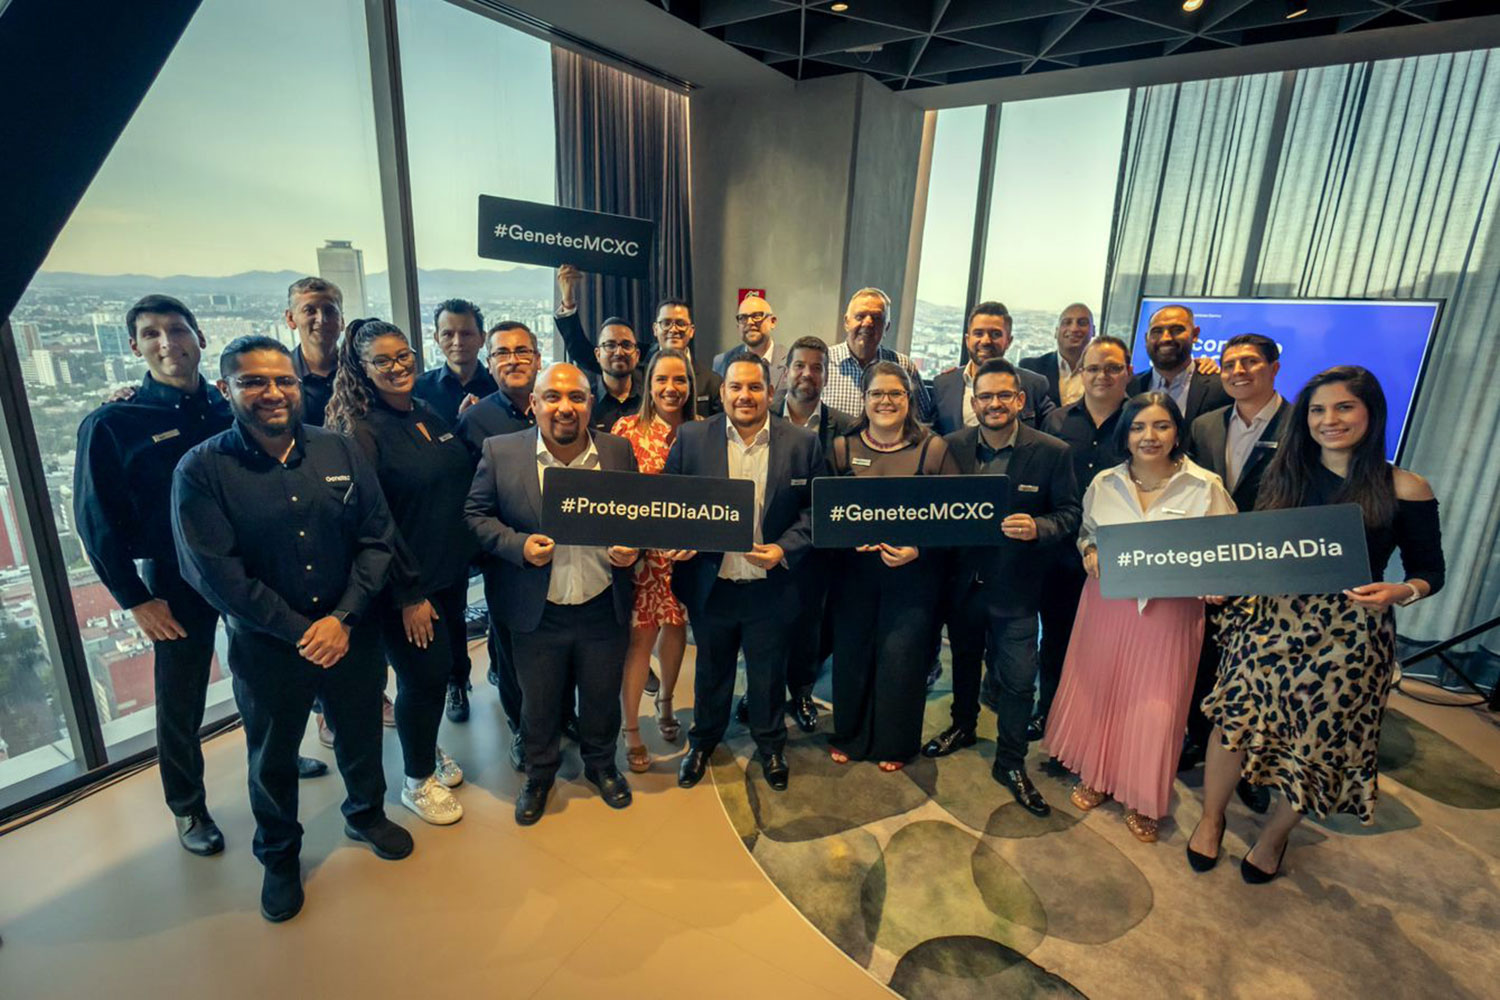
(451,603)
(1008,646)
(810,640)
(275,687)
(1198,725)
(575,647)
(422,677)
(1061,589)
(753,617)
(502,657)
(181,668)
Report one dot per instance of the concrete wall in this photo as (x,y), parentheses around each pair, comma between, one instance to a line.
(807,194)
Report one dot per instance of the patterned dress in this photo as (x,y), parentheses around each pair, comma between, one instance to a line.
(654,603)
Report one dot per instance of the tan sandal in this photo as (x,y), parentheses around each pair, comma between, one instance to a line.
(1143,827)
(1085,798)
(891,766)
(839,757)
(667,725)
(638,759)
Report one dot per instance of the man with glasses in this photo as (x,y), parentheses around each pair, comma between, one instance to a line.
(615,365)
(122,483)
(1194,387)
(1062,367)
(866,320)
(757,323)
(674,328)
(987,337)
(463,379)
(284,529)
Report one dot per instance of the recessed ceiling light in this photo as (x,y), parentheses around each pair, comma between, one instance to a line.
(1191,5)
(838,8)
(1295,8)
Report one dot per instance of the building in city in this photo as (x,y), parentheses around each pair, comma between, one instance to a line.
(342,263)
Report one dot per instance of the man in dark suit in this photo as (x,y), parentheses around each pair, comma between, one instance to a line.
(1062,368)
(995,588)
(567,606)
(1236,442)
(757,323)
(987,337)
(801,403)
(1194,387)
(744,601)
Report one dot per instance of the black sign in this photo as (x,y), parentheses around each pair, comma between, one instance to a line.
(587,507)
(909,510)
(1305,550)
(532,233)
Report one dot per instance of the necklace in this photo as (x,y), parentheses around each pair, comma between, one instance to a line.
(1159,484)
(874,445)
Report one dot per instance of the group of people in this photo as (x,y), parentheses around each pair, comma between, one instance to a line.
(330,502)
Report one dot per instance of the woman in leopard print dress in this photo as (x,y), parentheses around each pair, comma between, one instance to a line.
(1304,677)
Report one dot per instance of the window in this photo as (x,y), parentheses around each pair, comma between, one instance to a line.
(479,120)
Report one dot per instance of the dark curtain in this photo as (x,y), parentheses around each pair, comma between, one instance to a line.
(622,147)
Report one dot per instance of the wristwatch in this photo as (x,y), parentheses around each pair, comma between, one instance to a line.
(1416,595)
(344,617)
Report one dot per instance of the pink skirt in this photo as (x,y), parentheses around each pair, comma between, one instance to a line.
(1122,704)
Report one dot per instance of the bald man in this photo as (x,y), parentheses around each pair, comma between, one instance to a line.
(568,606)
(757,322)
(1063,368)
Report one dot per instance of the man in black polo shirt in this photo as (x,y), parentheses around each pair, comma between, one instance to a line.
(122,483)
(458,329)
(284,529)
(315,309)
(614,366)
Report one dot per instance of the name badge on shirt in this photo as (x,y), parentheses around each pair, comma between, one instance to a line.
(859,461)
(1027,488)
(799,482)
(1174,510)
(446,437)
(1265,444)
(165,435)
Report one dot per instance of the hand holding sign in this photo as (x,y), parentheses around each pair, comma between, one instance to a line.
(538,550)
(620,556)
(568,280)
(764,556)
(1021,527)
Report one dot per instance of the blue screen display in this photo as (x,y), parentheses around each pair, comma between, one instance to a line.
(1389,337)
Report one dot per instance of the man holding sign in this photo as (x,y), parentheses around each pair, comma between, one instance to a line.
(745,600)
(568,606)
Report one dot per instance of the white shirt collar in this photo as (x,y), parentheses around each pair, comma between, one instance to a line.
(732,433)
(584,459)
(1262,417)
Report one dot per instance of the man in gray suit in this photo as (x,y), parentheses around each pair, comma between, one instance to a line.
(757,323)
(567,607)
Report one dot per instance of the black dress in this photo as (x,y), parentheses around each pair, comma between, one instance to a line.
(1304,680)
(884,619)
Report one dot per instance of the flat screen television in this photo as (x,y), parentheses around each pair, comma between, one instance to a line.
(1390,337)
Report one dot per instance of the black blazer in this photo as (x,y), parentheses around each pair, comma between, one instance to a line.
(1045,365)
(948,391)
(1205,392)
(505,506)
(832,423)
(1042,485)
(796,458)
(1209,447)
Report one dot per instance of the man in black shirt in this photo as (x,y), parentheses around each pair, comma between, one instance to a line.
(458,327)
(315,309)
(284,529)
(122,483)
(615,366)
(514,360)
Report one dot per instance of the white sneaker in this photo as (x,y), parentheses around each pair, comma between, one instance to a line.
(448,772)
(433,803)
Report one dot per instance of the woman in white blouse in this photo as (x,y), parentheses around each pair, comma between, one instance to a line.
(1127,682)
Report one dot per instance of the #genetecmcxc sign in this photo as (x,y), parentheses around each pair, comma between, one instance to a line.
(909,510)
(1305,550)
(533,233)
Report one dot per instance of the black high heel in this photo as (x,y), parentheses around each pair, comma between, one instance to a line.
(1257,876)
(1203,862)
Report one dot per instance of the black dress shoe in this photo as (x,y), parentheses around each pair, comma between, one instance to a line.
(1204,862)
(653,682)
(311,767)
(1036,728)
(570,730)
(742,711)
(532,801)
(458,703)
(1019,783)
(387,839)
(281,891)
(613,787)
(200,834)
(1257,798)
(935,673)
(773,766)
(694,765)
(518,752)
(805,712)
(950,739)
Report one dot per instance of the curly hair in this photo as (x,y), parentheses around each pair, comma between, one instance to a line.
(353,392)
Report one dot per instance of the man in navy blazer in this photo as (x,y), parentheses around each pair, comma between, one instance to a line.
(1194,386)
(1063,368)
(567,607)
(745,601)
(986,337)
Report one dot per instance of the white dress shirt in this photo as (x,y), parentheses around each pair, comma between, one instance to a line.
(1111,498)
(1242,437)
(580,573)
(1177,386)
(1069,380)
(971,419)
(747,461)
(812,423)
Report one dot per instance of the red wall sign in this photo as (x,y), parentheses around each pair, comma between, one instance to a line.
(757,292)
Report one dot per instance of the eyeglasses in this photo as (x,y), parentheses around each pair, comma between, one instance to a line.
(260,383)
(505,354)
(885,395)
(621,346)
(386,365)
(755,317)
(1003,396)
(673,324)
(1092,370)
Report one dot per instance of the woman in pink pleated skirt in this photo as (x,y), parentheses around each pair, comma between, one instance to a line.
(1127,682)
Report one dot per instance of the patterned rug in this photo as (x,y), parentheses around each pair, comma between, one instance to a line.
(935,881)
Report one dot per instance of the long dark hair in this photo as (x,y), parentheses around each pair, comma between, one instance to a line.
(647,412)
(912,430)
(1370,482)
(1132,408)
(353,392)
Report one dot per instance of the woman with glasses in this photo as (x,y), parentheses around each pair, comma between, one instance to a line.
(1304,678)
(1122,705)
(657,615)
(884,597)
(424,471)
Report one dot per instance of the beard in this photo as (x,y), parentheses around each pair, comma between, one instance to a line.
(252,419)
